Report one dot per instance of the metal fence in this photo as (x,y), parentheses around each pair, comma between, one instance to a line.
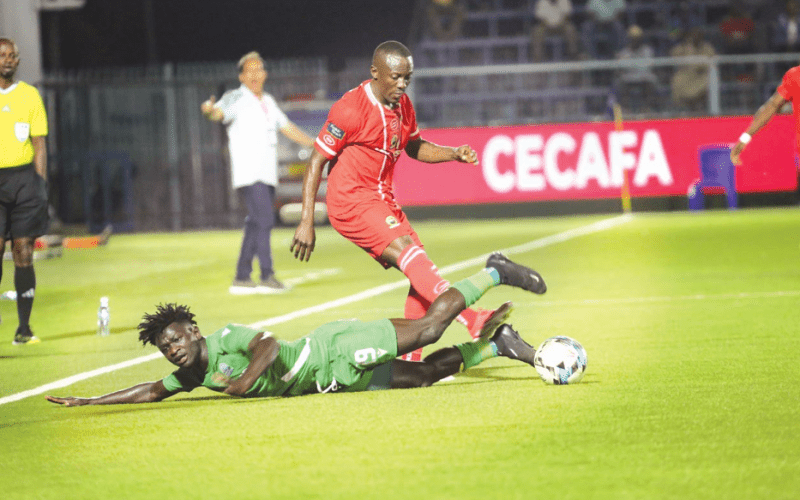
(130,146)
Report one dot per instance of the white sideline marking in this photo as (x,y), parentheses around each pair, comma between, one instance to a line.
(64,382)
(311,276)
(366,294)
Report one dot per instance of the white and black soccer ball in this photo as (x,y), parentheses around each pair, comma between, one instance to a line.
(560,361)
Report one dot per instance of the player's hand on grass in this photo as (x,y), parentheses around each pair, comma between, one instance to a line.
(234,387)
(303,242)
(68,401)
(466,154)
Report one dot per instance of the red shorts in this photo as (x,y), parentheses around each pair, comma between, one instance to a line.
(373,226)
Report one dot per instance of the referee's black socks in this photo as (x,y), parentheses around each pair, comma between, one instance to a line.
(25,284)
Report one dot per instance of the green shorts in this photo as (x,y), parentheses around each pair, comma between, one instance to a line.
(356,352)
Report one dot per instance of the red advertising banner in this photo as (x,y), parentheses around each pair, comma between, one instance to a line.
(588,160)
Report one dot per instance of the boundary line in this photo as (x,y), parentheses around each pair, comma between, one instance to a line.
(366,294)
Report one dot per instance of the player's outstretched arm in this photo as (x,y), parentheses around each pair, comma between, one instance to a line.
(304,236)
(149,392)
(760,119)
(265,351)
(428,152)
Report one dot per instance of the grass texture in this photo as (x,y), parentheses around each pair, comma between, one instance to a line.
(690,321)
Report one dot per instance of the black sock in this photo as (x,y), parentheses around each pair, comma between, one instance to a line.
(25,283)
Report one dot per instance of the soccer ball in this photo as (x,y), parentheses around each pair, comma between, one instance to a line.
(560,361)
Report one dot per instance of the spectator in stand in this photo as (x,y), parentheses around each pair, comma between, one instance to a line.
(786,32)
(690,82)
(553,19)
(445,19)
(737,31)
(640,80)
(682,18)
(604,22)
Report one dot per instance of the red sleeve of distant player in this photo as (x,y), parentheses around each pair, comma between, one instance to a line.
(790,86)
(342,124)
(413,128)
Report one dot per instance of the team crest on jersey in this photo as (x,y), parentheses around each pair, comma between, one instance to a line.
(335,131)
(226,369)
(22,130)
(395,123)
(392,222)
(327,139)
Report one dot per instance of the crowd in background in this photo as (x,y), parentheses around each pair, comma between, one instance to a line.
(575,30)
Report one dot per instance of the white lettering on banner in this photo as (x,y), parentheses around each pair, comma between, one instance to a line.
(652,161)
(619,158)
(537,166)
(497,145)
(592,162)
(529,163)
(560,142)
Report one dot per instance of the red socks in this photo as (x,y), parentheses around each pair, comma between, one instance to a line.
(426,285)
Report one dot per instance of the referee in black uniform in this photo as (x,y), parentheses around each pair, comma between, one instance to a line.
(23,184)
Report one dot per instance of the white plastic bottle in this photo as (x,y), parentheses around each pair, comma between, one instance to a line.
(103,317)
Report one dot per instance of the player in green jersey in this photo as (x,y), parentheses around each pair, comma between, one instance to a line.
(343,356)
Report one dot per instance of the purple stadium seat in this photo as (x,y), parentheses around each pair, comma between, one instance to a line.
(717,174)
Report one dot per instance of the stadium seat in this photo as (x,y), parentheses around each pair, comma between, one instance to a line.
(717,175)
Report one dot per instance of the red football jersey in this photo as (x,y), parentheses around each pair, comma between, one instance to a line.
(363,140)
(789,89)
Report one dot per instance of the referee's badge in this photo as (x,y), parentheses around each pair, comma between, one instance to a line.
(22,130)
(392,222)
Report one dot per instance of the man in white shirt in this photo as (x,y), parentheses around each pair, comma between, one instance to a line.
(552,18)
(253,119)
(603,31)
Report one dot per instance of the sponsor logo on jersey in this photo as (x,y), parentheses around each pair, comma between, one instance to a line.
(392,222)
(226,331)
(226,369)
(6,109)
(335,131)
(328,140)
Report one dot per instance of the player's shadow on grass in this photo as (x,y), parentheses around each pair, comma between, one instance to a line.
(486,374)
(82,412)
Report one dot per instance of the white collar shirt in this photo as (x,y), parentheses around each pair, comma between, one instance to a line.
(553,13)
(252,126)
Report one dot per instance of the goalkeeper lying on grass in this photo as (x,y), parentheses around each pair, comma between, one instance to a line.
(345,356)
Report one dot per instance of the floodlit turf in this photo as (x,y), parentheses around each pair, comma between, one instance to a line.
(690,321)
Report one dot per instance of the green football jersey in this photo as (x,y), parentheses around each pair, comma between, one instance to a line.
(338,356)
(228,355)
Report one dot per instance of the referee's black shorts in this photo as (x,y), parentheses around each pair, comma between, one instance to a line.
(23,203)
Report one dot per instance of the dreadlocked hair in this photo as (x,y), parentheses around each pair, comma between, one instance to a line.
(165,315)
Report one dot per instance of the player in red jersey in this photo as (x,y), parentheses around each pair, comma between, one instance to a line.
(366,131)
(787,91)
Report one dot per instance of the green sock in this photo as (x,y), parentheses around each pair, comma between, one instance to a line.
(475,353)
(475,286)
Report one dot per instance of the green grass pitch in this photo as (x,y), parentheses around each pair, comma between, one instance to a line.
(690,321)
